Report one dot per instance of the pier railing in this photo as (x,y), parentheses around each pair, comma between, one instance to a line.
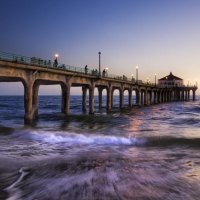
(39,62)
(51,64)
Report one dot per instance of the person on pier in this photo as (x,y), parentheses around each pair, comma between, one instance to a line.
(104,73)
(86,69)
(55,64)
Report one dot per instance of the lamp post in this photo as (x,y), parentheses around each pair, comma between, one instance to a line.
(155,79)
(137,74)
(99,64)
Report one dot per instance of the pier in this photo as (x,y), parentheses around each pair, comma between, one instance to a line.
(33,72)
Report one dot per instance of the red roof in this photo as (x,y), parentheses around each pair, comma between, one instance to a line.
(170,77)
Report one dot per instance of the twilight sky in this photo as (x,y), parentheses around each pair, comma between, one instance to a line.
(160,36)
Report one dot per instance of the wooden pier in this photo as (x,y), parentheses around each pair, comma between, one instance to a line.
(33,72)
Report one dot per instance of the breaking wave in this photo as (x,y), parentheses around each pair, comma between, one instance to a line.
(74,138)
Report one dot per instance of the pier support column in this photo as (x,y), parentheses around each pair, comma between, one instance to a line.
(154,97)
(167,96)
(65,98)
(162,97)
(109,91)
(179,95)
(91,99)
(28,103)
(145,97)
(151,98)
(158,96)
(35,99)
(142,97)
(121,93)
(137,94)
(130,98)
(170,95)
(100,90)
(182,95)
(112,98)
(175,95)
(149,102)
(30,98)
(186,96)
(188,93)
(84,95)
(193,95)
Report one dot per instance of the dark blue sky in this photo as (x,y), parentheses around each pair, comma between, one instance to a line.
(158,35)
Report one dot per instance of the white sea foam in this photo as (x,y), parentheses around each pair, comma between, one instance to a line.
(74,138)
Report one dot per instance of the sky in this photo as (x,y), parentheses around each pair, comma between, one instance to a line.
(160,36)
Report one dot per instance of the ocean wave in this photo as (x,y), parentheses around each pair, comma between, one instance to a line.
(69,138)
(83,139)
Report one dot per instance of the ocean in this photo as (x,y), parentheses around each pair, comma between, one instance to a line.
(146,153)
